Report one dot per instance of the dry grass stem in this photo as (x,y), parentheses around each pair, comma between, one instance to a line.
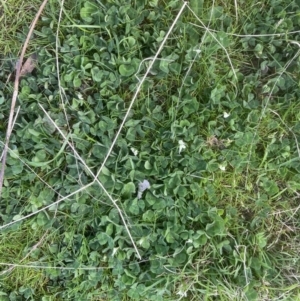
(15,94)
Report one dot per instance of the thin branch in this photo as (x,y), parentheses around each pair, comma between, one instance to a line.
(15,94)
(31,250)
(14,121)
(198,51)
(95,180)
(248,35)
(265,108)
(114,142)
(212,35)
(139,87)
(236,11)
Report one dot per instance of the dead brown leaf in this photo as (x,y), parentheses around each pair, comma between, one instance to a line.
(29,65)
(214,142)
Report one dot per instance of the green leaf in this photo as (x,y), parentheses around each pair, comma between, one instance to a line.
(128,189)
(148,165)
(199,239)
(127,70)
(40,155)
(156,266)
(144,242)
(196,6)
(34,132)
(149,216)
(259,49)
(17,168)
(2,98)
(17,217)
(261,240)
(42,219)
(181,191)
(223,39)
(164,66)
(170,238)
(129,42)
(217,227)
(158,204)
(96,74)
(270,187)
(109,229)
(153,3)
(178,259)
(68,77)
(190,106)
(217,93)
(76,82)
(102,238)
(86,11)
(133,293)
(41,164)
(132,123)
(134,207)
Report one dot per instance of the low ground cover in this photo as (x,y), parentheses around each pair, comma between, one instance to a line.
(213,128)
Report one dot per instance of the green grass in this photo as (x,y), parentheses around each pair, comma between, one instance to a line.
(215,125)
(15,18)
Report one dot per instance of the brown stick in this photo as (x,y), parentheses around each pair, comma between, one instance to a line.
(15,93)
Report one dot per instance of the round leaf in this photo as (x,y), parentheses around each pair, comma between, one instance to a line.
(126,70)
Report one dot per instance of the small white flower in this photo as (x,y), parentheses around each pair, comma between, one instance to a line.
(279,22)
(226,115)
(182,146)
(114,251)
(222,167)
(181,293)
(134,151)
(141,241)
(142,187)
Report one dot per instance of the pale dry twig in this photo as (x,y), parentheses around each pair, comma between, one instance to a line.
(15,94)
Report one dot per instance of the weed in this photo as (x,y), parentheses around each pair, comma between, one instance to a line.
(155,153)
